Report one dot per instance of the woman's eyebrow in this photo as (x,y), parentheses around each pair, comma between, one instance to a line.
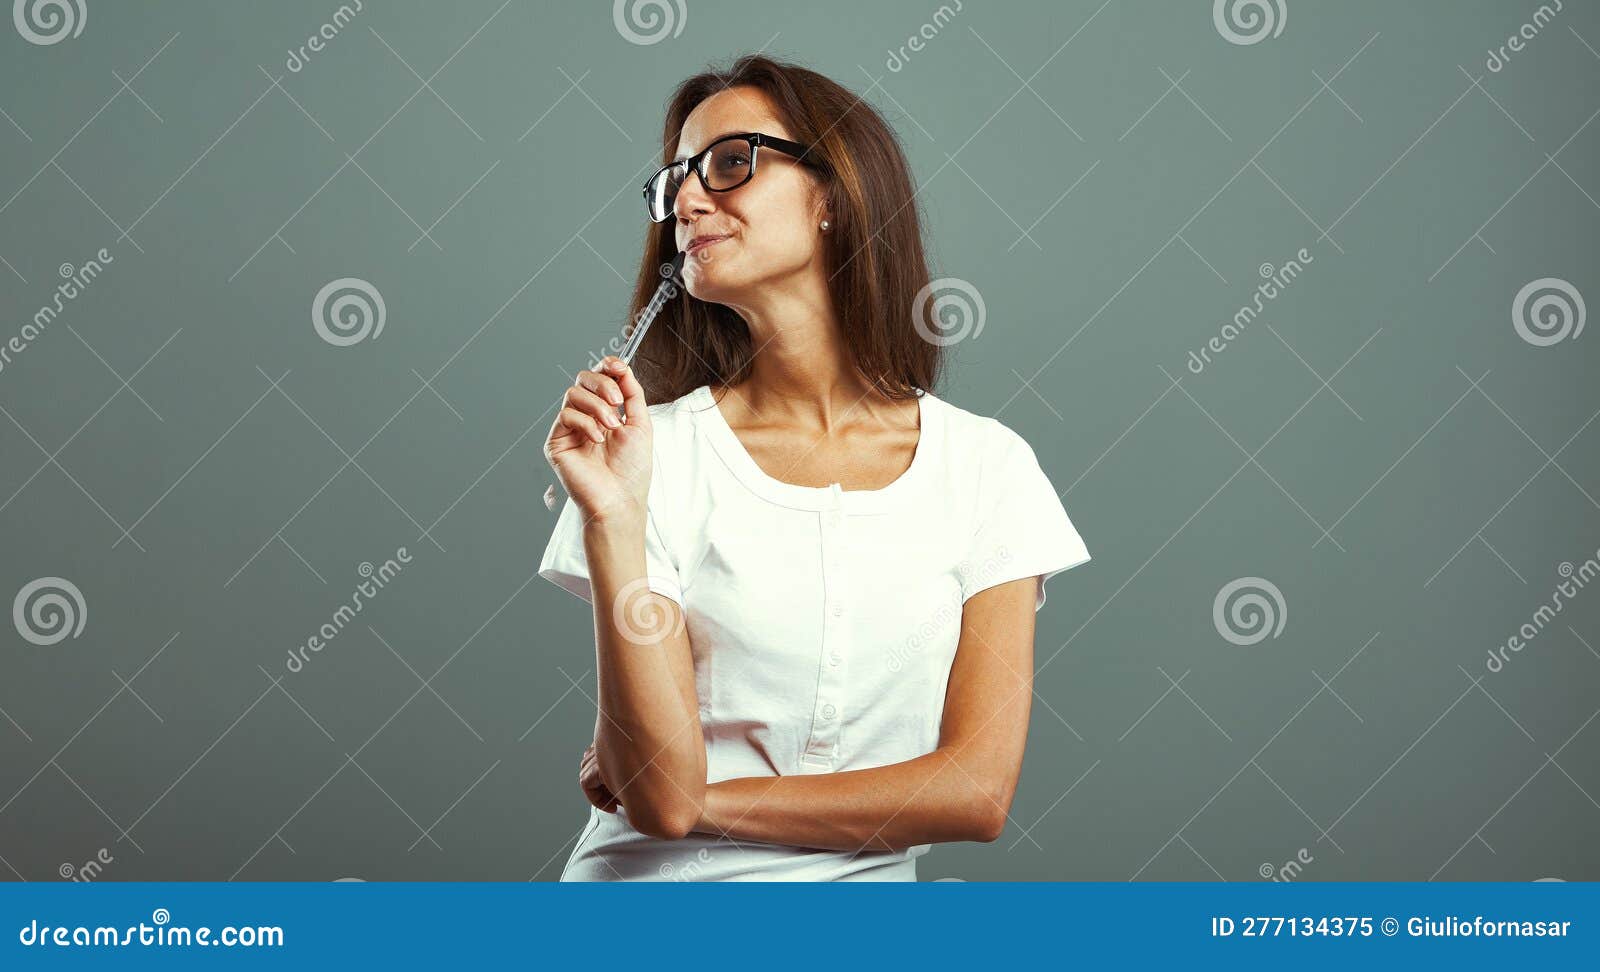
(714,138)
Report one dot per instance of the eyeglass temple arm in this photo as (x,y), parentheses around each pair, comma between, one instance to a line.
(795,149)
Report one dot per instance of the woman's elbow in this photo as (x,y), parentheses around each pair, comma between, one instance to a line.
(988,822)
(985,815)
(664,818)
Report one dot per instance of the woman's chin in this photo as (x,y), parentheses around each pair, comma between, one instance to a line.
(706,259)
(704,278)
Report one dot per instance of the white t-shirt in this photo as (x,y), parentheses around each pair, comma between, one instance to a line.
(823,622)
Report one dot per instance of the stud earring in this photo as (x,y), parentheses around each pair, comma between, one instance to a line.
(825,225)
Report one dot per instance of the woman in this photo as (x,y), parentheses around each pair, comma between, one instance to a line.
(814,582)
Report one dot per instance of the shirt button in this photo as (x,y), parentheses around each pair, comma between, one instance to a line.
(828,712)
(838,610)
(834,658)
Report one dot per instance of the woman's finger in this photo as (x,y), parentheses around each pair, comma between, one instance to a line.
(632,391)
(594,788)
(590,403)
(570,419)
(603,385)
(597,798)
(607,800)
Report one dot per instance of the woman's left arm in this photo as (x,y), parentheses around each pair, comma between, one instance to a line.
(960,791)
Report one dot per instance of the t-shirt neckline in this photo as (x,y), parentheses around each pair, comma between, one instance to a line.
(709,418)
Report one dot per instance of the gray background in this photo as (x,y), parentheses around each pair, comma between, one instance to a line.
(1381,446)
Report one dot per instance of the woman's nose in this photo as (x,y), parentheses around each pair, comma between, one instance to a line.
(692,198)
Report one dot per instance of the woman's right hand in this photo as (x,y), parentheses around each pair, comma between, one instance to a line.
(593,785)
(603,462)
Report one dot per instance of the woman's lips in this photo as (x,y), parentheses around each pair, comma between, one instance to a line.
(697,247)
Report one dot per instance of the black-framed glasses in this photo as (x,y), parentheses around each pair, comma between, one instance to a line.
(725,164)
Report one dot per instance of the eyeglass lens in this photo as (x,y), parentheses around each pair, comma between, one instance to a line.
(728,165)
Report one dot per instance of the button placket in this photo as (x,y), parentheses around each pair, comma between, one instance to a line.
(833,654)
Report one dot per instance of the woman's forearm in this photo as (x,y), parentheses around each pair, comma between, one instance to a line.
(648,735)
(934,798)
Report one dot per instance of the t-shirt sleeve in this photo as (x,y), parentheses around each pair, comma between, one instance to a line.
(564,562)
(1023,529)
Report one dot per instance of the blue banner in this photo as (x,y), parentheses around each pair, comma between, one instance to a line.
(936,924)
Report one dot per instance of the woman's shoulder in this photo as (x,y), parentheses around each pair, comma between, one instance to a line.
(679,446)
(673,419)
(971,435)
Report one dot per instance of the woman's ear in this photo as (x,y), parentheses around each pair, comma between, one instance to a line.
(821,211)
(823,218)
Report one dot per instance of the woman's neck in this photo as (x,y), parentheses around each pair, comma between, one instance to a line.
(801,373)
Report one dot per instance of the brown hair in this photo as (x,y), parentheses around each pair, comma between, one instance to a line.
(872,252)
